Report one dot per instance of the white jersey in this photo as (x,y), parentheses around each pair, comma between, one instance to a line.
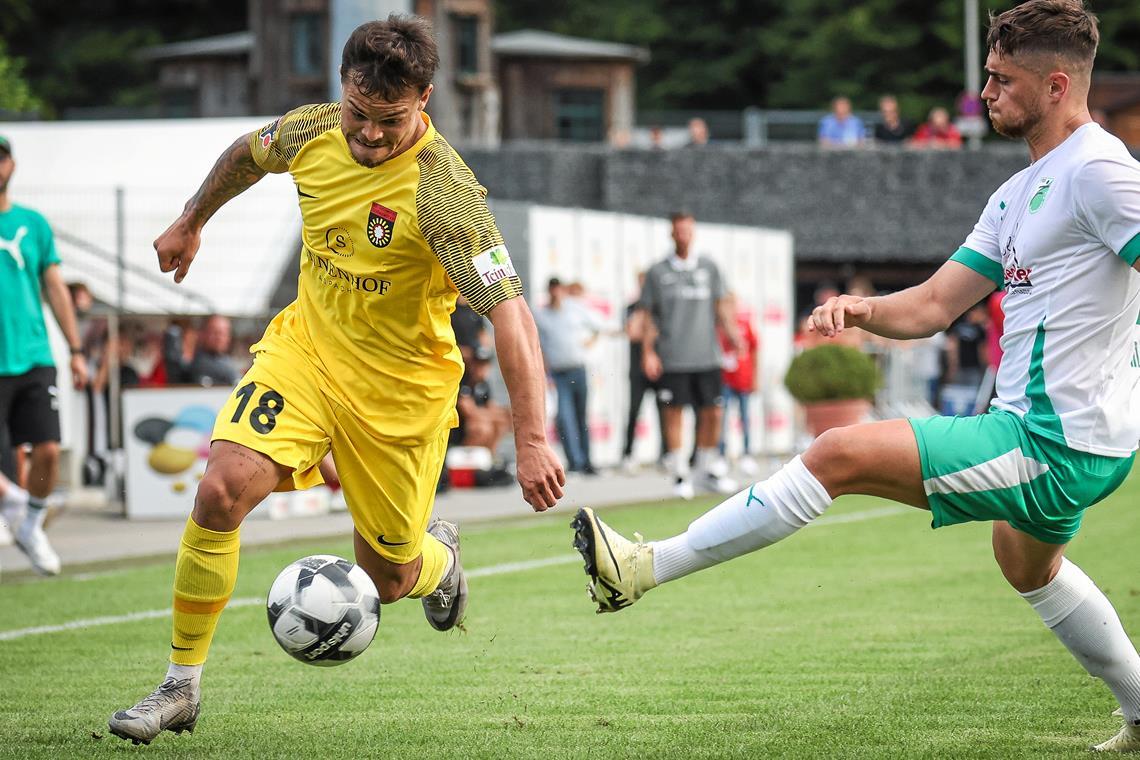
(1061,237)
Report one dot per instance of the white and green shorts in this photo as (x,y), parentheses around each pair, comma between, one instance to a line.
(991,467)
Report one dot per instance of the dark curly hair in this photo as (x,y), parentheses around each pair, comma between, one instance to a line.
(387,58)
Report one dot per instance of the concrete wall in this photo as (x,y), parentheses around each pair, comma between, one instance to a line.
(856,206)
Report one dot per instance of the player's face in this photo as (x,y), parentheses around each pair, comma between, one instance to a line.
(683,233)
(7,166)
(1015,96)
(378,129)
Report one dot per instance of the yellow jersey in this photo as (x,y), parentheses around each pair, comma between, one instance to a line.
(384,253)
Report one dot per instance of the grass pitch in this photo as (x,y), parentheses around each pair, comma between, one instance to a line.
(867,635)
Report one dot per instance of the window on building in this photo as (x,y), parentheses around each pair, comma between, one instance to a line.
(579,115)
(181,103)
(306,40)
(466,29)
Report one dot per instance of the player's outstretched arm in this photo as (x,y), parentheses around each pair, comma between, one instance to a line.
(234,172)
(520,358)
(916,312)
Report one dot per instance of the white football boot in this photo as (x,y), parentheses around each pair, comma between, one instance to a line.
(620,570)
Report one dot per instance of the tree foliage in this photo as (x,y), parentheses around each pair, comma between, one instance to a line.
(16,96)
(83,53)
(731,54)
(717,54)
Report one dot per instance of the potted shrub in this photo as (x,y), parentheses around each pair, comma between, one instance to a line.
(835,384)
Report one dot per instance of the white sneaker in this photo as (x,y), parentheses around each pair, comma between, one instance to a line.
(32,541)
(720,484)
(1128,740)
(749,467)
(683,489)
(629,466)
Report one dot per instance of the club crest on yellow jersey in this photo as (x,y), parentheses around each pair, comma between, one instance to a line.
(381,222)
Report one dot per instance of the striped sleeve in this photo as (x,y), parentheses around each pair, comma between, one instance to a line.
(982,251)
(275,145)
(451,207)
(981,264)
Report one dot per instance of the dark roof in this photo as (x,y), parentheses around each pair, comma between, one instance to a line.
(532,43)
(223,45)
(1114,91)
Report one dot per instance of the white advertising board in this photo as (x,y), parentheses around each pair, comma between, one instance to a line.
(166,432)
(604,252)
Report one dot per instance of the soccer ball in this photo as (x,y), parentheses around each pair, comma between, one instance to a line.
(323,610)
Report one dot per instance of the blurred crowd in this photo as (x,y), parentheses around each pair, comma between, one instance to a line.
(148,352)
(955,368)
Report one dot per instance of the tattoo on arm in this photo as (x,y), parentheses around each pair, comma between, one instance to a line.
(234,172)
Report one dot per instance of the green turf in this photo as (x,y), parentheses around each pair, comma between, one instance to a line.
(870,638)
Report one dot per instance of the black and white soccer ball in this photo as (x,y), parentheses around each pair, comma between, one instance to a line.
(323,610)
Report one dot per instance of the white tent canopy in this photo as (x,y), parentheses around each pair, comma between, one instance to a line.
(70,172)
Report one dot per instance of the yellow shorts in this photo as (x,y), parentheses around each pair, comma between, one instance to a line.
(280,410)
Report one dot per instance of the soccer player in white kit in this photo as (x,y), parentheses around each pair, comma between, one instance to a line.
(1062,237)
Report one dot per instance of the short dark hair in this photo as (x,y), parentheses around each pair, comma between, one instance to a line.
(388,58)
(1061,28)
(680,214)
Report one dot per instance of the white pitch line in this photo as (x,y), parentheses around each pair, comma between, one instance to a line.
(20,633)
(516,567)
(866,514)
(479,572)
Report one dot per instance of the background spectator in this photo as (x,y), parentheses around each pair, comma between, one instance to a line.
(29,409)
(698,133)
(565,328)
(482,420)
(636,324)
(841,128)
(81,298)
(211,363)
(937,132)
(893,128)
(966,361)
(470,328)
(683,297)
(739,376)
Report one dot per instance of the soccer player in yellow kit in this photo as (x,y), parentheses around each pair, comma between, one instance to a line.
(364,363)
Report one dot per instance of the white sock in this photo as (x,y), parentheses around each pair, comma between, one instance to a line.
(37,511)
(677,465)
(178,672)
(752,519)
(1084,620)
(707,459)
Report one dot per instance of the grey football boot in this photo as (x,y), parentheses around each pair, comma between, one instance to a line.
(445,606)
(173,706)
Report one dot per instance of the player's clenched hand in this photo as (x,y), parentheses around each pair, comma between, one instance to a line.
(839,312)
(540,475)
(176,248)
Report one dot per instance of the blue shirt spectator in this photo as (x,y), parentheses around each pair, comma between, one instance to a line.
(841,128)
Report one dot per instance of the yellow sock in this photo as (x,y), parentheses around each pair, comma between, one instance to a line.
(436,560)
(204,578)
